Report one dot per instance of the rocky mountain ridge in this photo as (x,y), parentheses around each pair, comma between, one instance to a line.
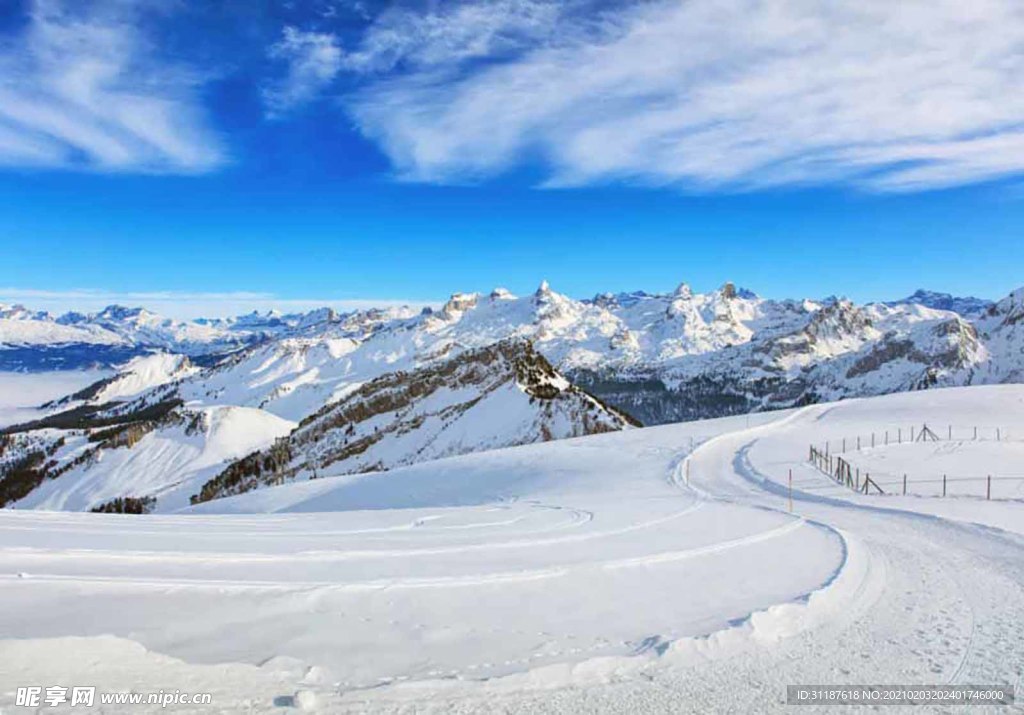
(376,389)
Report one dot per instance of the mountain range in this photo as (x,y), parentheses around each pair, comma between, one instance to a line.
(210,408)
(37,340)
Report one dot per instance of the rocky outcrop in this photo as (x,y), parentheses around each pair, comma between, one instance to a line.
(497,396)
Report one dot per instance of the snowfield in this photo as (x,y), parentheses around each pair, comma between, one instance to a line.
(650,570)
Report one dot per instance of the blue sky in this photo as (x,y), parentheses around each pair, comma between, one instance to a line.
(212,157)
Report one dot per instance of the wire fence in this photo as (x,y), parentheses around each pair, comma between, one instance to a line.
(836,458)
(923,433)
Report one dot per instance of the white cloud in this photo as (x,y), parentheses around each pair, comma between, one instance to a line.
(187,305)
(400,37)
(313,59)
(79,88)
(454,32)
(710,94)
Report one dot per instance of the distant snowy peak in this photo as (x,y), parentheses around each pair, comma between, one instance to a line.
(20,312)
(377,389)
(1010,310)
(762,352)
(498,396)
(38,341)
(967,306)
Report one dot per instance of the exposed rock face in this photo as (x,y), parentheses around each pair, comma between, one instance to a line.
(967,306)
(681,355)
(497,396)
(378,389)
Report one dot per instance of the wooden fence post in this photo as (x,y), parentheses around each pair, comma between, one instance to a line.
(904,485)
(911,434)
(975,434)
(858,444)
(951,433)
(844,445)
(899,437)
(943,485)
(988,488)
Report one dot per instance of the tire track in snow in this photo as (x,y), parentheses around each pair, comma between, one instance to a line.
(931,594)
(426,582)
(342,555)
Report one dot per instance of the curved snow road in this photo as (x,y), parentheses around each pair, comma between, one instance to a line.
(588,593)
(939,601)
(944,602)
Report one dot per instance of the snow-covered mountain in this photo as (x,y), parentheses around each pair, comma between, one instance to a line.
(968,305)
(357,379)
(503,395)
(662,358)
(146,462)
(133,378)
(36,340)
(155,452)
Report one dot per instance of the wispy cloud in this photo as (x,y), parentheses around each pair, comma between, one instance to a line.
(185,305)
(705,94)
(313,60)
(454,32)
(402,38)
(81,87)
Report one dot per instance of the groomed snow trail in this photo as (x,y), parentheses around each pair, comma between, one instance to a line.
(942,603)
(583,576)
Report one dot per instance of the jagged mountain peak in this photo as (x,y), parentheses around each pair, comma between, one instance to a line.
(496,396)
(18,311)
(460,302)
(488,368)
(965,305)
(1009,310)
(840,320)
(500,293)
(121,312)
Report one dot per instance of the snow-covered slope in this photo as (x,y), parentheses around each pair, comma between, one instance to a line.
(660,357)
(1002,329)
(161,450)
(158,462)
(131,379)
(656,570)
(486,398)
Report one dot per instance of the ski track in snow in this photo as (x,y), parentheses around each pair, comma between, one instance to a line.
(621,573)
